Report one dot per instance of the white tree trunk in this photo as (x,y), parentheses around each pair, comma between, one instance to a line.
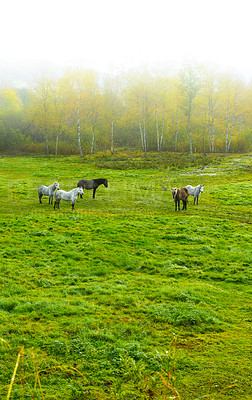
(78,127)
(93,139)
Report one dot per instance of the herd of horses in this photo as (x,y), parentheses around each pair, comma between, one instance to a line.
(183,194)
(53,190)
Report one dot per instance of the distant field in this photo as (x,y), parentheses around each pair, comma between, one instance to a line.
(124,298)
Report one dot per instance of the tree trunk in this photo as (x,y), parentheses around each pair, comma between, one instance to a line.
(112,137)
(140,125)
(162,132)
(226,132)
(176,131)
(93,139)
(189,128)
(79,138)
(190,136)
(230,137)
(209,127)
(78,127)
(204,133)
(47,141)
(158,139)
(212,129)
(57,144)
(144,132)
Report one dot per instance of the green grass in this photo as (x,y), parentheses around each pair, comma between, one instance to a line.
(124,298)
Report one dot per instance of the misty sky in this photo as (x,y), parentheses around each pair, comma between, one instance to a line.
(114,35)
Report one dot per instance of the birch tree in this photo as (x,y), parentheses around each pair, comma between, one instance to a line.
(190,87)
(111,107)
(233,100)
(160,91)
(72,92)
(175,99)
(92,102)
(145,103)
(212,96)
(59,111)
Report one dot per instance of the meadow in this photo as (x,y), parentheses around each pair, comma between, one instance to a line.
(124,298)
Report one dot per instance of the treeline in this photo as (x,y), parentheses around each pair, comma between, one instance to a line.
(194,110)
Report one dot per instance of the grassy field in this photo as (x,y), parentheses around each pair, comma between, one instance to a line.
(124,298)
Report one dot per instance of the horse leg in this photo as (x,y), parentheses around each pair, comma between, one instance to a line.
(73,207)
(178,205)
(194,199)
(50,198)
(94,190)
(40,196)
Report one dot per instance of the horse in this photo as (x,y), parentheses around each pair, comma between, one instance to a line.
(92,184)
(48,191)
(195,191)
(68,196)
(180,194)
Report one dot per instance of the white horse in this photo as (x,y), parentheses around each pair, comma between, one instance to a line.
(68,196)
(48,191)
(195,191)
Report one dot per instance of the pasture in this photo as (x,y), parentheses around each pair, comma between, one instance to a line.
(126,298)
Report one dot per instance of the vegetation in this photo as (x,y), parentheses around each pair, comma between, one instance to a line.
(195,110)
(124,298)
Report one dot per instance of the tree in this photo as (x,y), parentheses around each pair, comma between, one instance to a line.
(92,101)
(111,106)
(59,109)
(233,101)
(9,100)
(11,120)
(41,108)
(212,94)
(189,84)
(140,104)
(70,90)
(175,99)
(161,87)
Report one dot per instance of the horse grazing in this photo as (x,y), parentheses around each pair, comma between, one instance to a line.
(180,194)
(195,191)
(92,184)
(48,191)
(68,196)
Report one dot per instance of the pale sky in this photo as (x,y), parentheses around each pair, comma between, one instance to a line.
(111,35)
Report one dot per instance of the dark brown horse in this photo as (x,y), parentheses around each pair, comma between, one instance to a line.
(92,184)
(180,194)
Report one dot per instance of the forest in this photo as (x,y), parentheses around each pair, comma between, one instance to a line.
(195,110)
